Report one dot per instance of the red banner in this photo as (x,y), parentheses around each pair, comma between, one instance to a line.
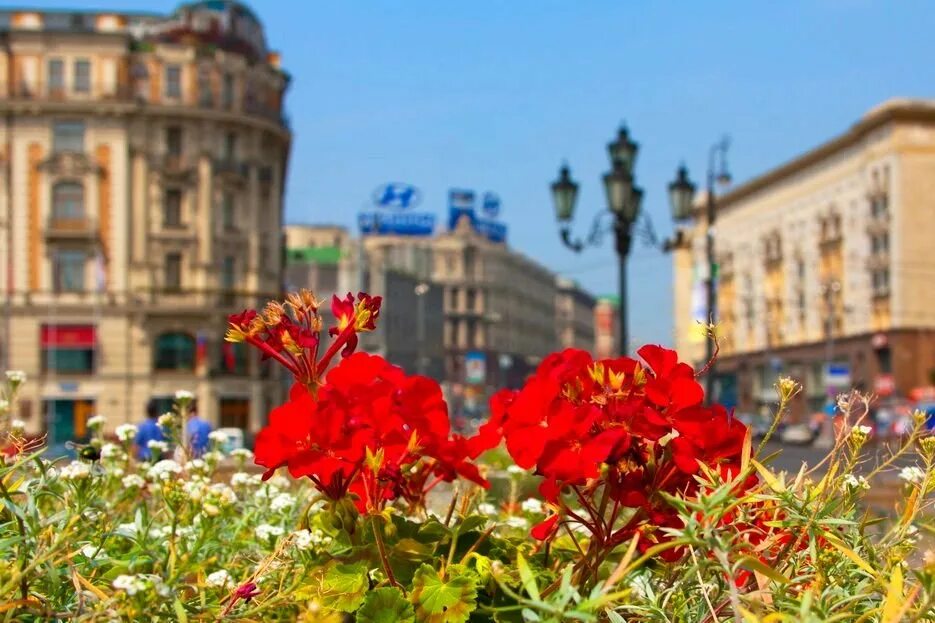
(68,336)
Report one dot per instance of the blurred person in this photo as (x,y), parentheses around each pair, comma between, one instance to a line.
(197,431)
(148,431)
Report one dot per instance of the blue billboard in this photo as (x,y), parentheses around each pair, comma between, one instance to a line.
(400,224)
(461,203)
(397,195)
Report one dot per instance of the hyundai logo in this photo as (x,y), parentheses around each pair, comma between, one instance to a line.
(397,195)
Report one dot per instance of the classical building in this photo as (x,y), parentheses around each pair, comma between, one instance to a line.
(606,327)
(574,315)
(824,267)
(143,159)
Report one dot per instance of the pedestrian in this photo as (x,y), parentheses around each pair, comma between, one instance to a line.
(197,431)
(148,431)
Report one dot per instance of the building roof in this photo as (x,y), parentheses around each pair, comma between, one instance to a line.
(893,110)
(314,255)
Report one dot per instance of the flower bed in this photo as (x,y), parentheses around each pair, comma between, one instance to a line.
(649,505)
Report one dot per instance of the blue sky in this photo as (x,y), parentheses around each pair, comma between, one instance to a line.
(494,95)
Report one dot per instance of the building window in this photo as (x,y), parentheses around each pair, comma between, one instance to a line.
(879,206)
(234,357)
(880,243)
(68,136)
(172,208)
(82,78)
(205,96)
(234,412)
(173,81)
(174,140)
(68,201)
(227,94)
(228,273)
(173,277)
(230,146)
(174,351)
(56,82)
(68,270)
(881,282)
(228,210)
(68,349)
(471,297)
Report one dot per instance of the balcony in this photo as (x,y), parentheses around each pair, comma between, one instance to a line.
(71,229)
(41,92)
(177,167)
(878,223)
(231,171)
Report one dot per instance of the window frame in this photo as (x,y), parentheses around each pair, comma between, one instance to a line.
(176,208)
(81,82)
(62,205)
(173,77)
(173,269)
(59,279)
(163,362)
(65,138)
(57,86)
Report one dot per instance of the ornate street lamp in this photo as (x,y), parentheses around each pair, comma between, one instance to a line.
(624,200)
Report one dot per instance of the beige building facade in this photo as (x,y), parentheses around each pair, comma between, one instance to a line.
(825,269)
(143,160)
(574,315)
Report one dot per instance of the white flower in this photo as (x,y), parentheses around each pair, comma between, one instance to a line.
(126,432)
(130,584)
(213,457)
(96,421)
(76,470)
(224,494)
(282,502)
(196,465)
(5,406)
(16,377)
(855,482)
(194,489)
(240,479)
(517,522)
(112,451)
(302,539)
(126,529)
(515,469)
(866,430)
(267,492)
(115,471)
(155,446)
(217,436)
(219,578)
(532,505)
(485,508)
(18,426)
(133,481)
(242,454)
(166,420)
(90,551)
(183,395)
(912,474)
(164,469)
(265,532)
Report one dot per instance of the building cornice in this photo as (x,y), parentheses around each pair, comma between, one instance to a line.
(891,111)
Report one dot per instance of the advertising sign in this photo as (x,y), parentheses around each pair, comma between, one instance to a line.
(475,367)
(460,199)
(397,195)
(461,203)
(491,205)
(402,224)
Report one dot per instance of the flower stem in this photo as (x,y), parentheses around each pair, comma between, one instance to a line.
(378,537)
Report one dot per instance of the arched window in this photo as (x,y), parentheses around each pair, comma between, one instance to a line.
(174,351)
(68,201)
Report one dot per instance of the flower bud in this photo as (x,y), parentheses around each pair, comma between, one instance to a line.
(787,388)
(927,447)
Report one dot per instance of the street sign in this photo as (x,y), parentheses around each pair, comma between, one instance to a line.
(475,367)
(884,385)
(837,375)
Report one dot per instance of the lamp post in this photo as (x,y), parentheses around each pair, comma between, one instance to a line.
(623,204)
(680,195)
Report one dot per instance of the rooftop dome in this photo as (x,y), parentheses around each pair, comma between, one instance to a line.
(227,24)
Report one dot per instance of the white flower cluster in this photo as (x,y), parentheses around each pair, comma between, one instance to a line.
(112,452)
(91,551)
(155,446)
(164,470)
(222,494)
(282,502)
(517,522)
(220,579)
(532,505)
(166,421)
(305,539)
(486,508)
(17,426)
(126,432)
(96,421)
(217,436)
(16,377)
(133,584)
(912,474)
(213,457)
(243,479)
(852,483)
(184,395)
(265,532)
(196,466)
(76,470)
(133,481)
(241,454)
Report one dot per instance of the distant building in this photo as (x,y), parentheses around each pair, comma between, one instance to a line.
(574,316)
(824,268)
(606,327)
(143,159)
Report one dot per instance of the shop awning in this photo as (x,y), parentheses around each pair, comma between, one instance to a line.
(69,336)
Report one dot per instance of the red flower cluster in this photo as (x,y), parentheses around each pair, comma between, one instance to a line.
(617,425)
(372,430)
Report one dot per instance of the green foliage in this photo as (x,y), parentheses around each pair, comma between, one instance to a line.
(385,605)
(443,600)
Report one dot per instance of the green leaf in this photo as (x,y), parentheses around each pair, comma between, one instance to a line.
(442,601)
(180,613)
(525,574)
(343,587)
(471,523)
(755,564)
(432,531)
(385,605)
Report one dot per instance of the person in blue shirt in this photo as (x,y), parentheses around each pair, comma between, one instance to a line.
(197,431)
(148,431)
